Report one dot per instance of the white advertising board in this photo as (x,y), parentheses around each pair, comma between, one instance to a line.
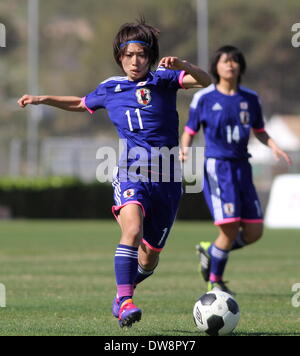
(283,210)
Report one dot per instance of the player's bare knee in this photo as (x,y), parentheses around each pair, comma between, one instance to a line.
(132,235)
(258,235)
(253,238)
(254,234)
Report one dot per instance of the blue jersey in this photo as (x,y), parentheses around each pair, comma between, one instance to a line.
(227,121)
(143,112)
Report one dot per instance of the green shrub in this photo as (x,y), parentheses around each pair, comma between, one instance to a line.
(70,198)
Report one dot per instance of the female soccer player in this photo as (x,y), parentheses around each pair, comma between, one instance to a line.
(142,106)
(227,112)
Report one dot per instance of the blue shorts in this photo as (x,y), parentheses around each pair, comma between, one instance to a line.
(159,203)
(230,193)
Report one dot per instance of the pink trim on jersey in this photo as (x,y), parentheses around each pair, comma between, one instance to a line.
(84,104)
(151,247)
(180,79)
(259,130)
(252,221)
(227,221)
(190,131)
(116,208)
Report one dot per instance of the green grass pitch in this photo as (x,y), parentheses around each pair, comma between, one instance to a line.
(59,280)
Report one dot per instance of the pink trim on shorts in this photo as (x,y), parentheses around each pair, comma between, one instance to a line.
(227,221)
(190,131)
(116,208)
(259,130)
(151,247)
(252,221)
(87,108)
(180,79)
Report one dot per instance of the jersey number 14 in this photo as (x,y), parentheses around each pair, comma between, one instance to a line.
(233,134)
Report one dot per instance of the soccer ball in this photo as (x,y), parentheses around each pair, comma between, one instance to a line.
(216,313)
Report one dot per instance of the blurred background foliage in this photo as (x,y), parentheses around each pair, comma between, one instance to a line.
(76,52)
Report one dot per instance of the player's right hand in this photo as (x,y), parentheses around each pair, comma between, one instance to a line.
(28,99)
(183,155)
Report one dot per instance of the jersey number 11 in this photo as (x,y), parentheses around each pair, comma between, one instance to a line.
(129,119)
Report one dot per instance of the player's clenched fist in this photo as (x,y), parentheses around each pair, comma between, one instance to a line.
(28,99)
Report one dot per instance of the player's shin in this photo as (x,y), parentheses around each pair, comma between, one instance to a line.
(219,259)
(126,265)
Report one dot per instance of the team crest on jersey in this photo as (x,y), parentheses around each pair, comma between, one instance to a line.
(245,117)
(129,193)
(244,105)
(143,96)
(229,209)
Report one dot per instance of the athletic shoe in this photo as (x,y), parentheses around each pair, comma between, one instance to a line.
(129,313)
(202,252)
(221,285)
(115,307)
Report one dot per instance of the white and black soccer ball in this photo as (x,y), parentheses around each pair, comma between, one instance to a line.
(216,313)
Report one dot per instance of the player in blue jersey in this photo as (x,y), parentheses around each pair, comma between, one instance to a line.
(142,106)
(228,112)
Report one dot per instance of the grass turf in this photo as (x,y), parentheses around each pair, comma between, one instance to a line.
(59,280)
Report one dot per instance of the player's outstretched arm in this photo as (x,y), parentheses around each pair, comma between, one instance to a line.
(264,138)
(185,144)
(69,103)
(195,77)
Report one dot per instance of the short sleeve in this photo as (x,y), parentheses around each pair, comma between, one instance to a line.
(258,122)
(172,79)
(96,99)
